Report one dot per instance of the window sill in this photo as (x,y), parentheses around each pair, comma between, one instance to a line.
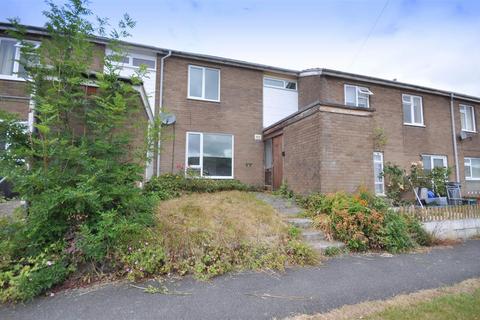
(473,179)
(11,78)
(205,100)
(468,131)
(414,125)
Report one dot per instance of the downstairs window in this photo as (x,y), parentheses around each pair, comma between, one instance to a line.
(209,155)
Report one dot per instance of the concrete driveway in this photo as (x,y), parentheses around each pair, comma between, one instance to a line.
(344,280)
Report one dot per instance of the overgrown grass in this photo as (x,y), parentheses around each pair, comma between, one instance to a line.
(209,234)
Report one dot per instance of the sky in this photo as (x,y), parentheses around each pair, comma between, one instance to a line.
(435,43)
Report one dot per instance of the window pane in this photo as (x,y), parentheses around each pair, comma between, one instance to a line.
(350,96)
(7,56)
(291,85)
(137,62)
(378,169)
(407,113)
(217,155)
(196,75)
(193,149)
(463,118)
(268,154)
(475,168)
(211,84)
(417,109)
(379,188)
(469,118)
(427,164)
(363,100)
(273,82)
(468,170)
(438,163)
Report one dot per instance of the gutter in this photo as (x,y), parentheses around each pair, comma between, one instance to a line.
(379,81)
(454,139)
(160,107)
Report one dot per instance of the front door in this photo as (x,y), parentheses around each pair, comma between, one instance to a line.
(277,163)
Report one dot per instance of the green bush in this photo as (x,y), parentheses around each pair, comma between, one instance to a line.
(169,186)
(364,221)
(31,276)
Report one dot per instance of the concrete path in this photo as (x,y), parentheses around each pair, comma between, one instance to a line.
(344,280)
(8,207)
(290,212)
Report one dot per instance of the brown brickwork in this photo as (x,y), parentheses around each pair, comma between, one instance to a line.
(404,144)
(239,112)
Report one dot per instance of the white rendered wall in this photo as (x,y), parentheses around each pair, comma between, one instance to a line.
(277,104)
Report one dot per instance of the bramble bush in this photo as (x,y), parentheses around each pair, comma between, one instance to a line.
(364,221)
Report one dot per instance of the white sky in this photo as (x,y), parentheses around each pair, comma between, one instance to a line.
(434,43)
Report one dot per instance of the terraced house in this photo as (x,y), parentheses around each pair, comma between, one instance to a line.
(317,129)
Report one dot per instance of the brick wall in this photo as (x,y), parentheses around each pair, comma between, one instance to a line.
(302,146)
(346,151)
(14,98)
(405,143)
(239,112)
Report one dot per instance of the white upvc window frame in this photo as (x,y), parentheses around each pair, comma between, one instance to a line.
(284,81)
(130,56)
(200,165)
(412,110)
(463,113)
(469,161)
(16,64)
(436,157)
(358,90)
(202,98)
(382,183)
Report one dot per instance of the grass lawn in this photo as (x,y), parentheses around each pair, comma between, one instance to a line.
(464,306)
(460,301)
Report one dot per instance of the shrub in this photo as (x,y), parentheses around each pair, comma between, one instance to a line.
(364,221)
(30,276)
(169,186)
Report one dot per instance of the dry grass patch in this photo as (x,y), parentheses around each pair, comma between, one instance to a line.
(210,234)
(424,304)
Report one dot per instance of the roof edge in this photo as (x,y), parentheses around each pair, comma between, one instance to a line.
(391,83)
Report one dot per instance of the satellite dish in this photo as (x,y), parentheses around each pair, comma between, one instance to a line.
(168,118)
(463,135)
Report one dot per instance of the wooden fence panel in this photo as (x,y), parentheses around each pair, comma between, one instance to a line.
(443,213)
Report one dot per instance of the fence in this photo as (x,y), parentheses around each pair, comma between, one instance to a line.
(443,213)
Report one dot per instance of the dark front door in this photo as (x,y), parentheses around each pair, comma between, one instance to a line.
(277,163)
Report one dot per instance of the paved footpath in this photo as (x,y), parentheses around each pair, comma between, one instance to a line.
(343,280)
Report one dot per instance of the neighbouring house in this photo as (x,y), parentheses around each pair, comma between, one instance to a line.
(317,129)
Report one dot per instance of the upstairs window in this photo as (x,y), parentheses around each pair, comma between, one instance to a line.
(280,83)
(133,61)
(10,54)
(472,168)
(467,118)
(356,96)
(203,83)
(412,110)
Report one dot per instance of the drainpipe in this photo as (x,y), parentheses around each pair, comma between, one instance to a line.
(454,138)
(160,106)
